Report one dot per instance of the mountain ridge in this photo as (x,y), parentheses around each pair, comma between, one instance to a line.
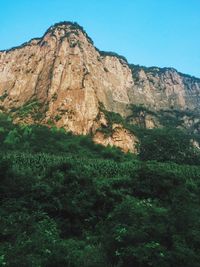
(63,79)
(103,52)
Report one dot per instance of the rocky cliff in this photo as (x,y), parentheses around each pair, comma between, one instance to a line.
(62,79)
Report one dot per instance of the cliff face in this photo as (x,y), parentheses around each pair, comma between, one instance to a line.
(63,79)
(165,88)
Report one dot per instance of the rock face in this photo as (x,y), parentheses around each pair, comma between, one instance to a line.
(119,137)
(65,79)
(165,88)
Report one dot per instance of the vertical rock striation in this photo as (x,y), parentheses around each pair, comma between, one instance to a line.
(65,78)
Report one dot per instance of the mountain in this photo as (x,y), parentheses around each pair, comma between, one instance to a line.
(62,79)
(68,202)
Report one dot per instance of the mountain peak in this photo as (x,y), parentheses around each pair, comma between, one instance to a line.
(65,28)
(63,79)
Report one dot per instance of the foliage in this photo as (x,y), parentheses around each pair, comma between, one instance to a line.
(72,25)
(111,118)
(113,54)
(168,144)
(31,108)
(3,97)
(138,109)
(68,202)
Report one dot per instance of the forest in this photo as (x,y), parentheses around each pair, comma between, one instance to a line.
(66,201)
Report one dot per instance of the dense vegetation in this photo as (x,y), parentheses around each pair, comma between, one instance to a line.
(68,202)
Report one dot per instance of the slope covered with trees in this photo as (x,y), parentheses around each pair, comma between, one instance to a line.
(68,202)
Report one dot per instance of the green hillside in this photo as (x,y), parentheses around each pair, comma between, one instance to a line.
(68,202)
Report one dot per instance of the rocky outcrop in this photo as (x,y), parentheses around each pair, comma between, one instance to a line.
(119,137)
(165,88)
(62,78)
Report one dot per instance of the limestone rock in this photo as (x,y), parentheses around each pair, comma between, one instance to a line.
(119,137)
(68,77)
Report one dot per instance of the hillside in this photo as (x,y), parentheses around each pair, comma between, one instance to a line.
(68,202)
(69,195)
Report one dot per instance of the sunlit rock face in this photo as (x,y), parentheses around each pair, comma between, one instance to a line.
(68,79)
(165,88)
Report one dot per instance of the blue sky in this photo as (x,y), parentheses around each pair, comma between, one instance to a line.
(147,32)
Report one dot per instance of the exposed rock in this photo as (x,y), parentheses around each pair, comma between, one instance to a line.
(195,144)
(145,120)
(150,122)
(69,78)
(165,88)
(119,137)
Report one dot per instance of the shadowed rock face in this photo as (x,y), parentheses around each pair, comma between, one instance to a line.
(68,78)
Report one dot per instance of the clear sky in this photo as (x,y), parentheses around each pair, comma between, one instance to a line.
(164,33)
